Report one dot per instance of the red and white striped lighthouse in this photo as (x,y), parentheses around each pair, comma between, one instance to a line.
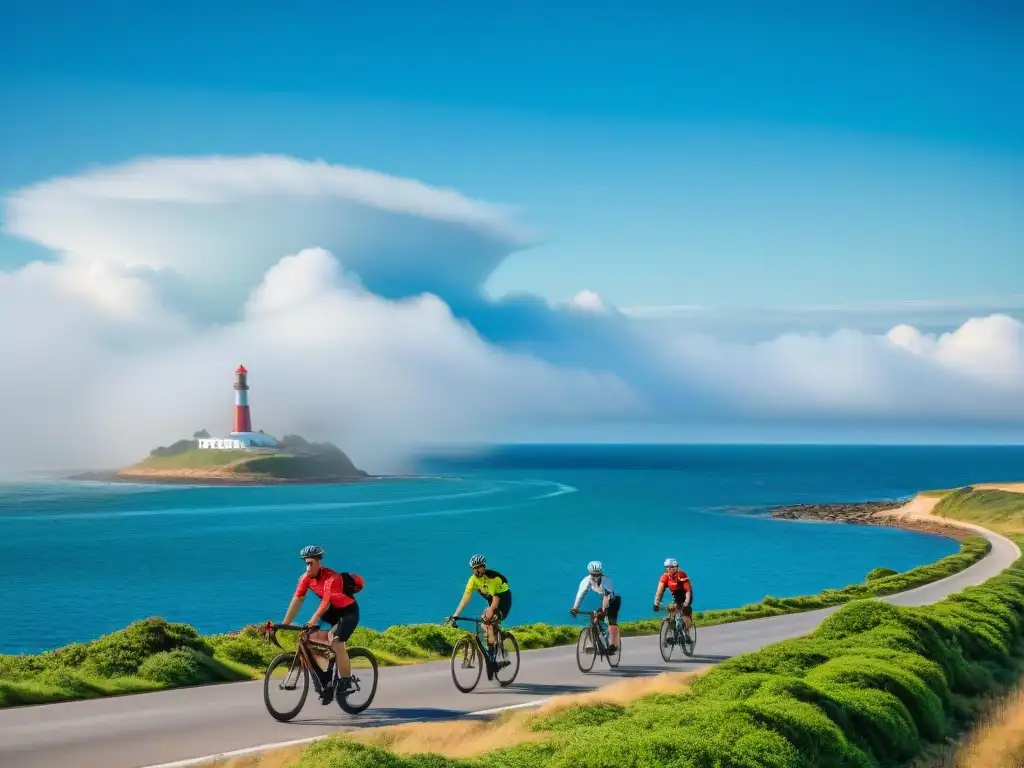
(243,421)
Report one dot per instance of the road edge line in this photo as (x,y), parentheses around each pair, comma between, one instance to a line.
(193,762)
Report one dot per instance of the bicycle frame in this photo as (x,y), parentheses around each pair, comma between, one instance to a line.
(480,635)
(677,618)
(599,631)
(305,651)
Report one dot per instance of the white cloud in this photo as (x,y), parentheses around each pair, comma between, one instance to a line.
(589,301)
(355,300)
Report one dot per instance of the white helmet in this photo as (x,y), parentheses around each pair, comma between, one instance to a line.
(671,561)
(594,567)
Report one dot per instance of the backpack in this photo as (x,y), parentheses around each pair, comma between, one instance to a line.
(352,583)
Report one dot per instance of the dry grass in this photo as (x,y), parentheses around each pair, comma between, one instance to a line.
(997,743)
(466,738)
(277,758)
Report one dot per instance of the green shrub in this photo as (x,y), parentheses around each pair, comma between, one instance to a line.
(576,716)
(177,667)
(121,653)
(246,650)
(880,573)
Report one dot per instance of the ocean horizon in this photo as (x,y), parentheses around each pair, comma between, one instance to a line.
(222,557)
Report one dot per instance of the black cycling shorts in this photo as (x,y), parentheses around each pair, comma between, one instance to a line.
(344,620)
(678,598)
(613,610)
(504,604)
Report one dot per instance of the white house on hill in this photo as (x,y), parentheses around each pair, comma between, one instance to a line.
(239,441)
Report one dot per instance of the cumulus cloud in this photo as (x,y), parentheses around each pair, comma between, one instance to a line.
(356,300)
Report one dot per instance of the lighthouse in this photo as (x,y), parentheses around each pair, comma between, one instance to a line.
(242,437)
(243,421)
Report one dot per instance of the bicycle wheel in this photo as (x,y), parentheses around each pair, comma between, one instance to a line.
(466,656)
(688,646)
(508,651)
(364,670)
(296,677)
(586,650)
(666,639)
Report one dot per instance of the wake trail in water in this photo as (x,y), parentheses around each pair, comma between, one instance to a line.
(493,488)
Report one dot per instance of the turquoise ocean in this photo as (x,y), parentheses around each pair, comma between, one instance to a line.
(80,559)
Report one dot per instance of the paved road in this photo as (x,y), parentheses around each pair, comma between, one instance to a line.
(147,729)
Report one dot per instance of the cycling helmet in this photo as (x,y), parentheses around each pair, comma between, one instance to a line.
(313,550)
(594,567)
(671,561)
(476,560)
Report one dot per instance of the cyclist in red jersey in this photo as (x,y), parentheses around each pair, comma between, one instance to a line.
(678,584)
(337,607)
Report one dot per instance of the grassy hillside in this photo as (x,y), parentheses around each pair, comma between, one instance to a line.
(193,459)
(154,654)
(999,510)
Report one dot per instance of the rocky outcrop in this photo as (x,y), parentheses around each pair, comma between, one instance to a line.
(867,513)
(843,512)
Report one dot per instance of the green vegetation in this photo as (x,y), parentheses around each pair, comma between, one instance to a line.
(193,459)
(936,494)
(145,656)
(154,654)
(875,685)
(1000,510)
(879,573)
(972,549)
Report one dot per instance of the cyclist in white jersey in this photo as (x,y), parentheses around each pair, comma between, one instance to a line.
(596,581)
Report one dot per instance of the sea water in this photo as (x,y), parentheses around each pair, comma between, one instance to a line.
(78,559)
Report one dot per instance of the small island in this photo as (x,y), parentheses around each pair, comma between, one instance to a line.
(245,457)
(293,460)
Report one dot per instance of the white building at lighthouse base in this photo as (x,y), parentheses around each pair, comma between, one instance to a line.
(238,441)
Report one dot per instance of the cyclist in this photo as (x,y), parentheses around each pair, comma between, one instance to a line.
(338,608)
(493,587)
(596,581)
(678,583)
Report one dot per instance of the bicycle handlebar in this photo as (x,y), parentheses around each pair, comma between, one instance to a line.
(271,629)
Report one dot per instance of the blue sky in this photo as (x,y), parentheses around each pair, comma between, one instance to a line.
(670,153)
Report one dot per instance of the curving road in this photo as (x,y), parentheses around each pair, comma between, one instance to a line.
(176,725)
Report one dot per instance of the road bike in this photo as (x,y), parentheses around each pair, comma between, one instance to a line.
(593,642)
(473,654)
(674,635)
(300,663)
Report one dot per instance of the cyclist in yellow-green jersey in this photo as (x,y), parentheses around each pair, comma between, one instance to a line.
(493,587)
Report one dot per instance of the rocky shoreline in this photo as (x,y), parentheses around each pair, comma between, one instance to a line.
(866,513)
